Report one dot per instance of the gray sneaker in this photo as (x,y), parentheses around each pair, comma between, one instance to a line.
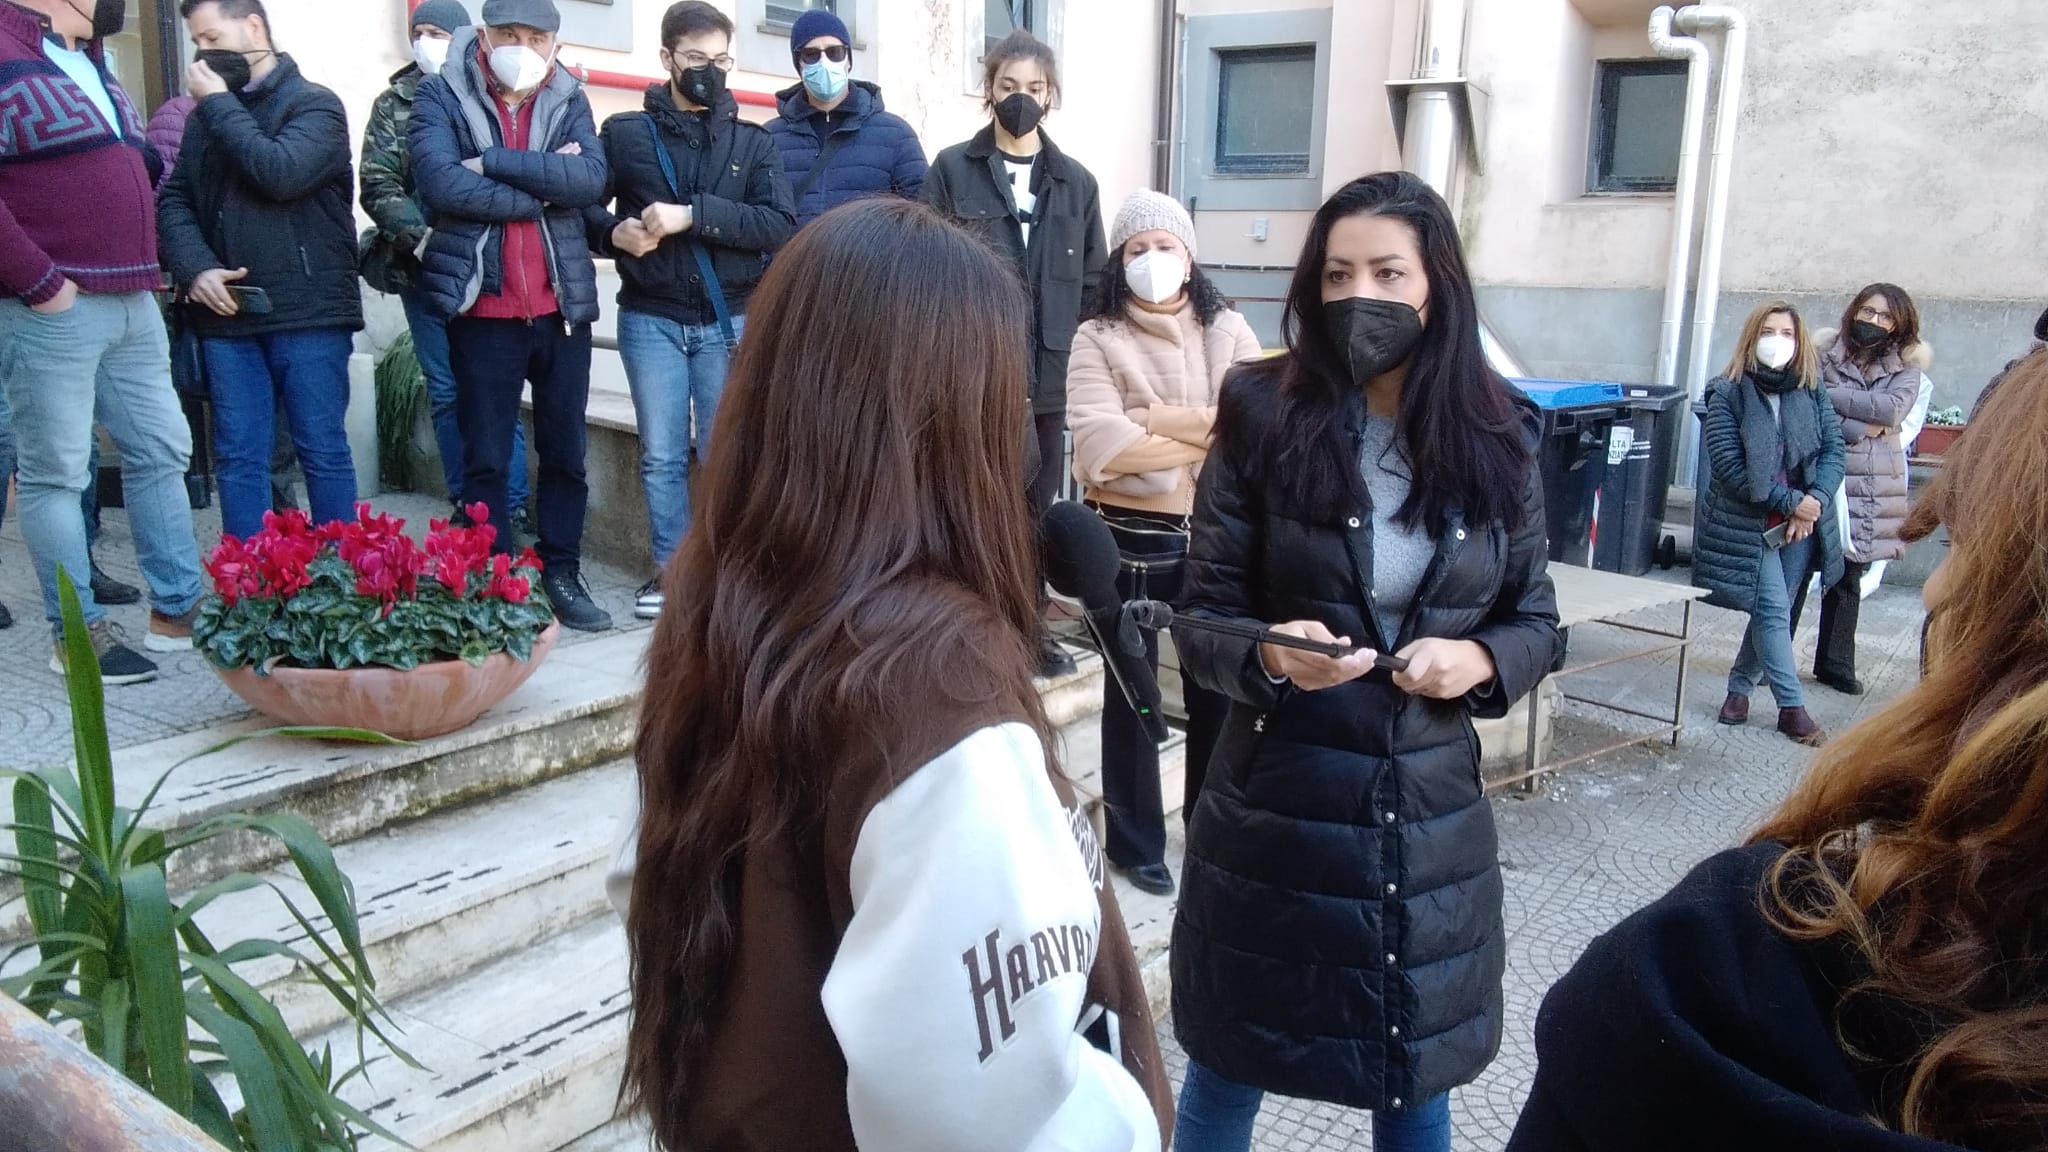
(119,664)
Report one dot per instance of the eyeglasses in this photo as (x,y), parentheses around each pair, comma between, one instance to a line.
(697,60)
(836,53)
(1871,314)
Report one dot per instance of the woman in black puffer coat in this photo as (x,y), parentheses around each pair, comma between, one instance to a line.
(1339,932)
(1767,519)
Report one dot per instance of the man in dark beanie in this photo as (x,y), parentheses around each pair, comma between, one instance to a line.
(836,141)
(506,156)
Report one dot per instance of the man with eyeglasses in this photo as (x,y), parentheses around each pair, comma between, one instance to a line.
(836,140)
(700,203)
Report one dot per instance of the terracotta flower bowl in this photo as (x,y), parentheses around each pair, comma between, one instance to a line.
(431,700)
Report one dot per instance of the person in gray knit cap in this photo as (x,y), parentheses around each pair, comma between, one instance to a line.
(1148,362)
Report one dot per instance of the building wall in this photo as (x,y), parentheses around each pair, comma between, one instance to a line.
(1878,140)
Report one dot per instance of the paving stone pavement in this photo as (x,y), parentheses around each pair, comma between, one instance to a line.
(35,724)
(1602,839)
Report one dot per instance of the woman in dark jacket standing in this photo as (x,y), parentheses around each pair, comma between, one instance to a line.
(1774,446)
(1013,188)
(1339,933)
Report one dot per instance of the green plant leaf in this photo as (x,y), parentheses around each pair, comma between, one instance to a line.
(35,836)
(316,867)
(209,1111)
(114,1005)
(262,1088)
(152,956)
(95,762)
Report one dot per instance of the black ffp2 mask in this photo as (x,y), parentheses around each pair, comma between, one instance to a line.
(108,17)
(1020,114)
(1372,336)
(702,85)
(232,67)
(1866,336)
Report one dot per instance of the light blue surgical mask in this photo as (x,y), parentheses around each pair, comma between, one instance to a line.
(826,80)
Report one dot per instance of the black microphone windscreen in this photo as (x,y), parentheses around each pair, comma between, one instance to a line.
(1080,554)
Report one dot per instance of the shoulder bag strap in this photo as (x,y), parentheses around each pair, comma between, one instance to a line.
(704,267)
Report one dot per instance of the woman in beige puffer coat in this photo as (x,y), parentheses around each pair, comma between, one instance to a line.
(1874,368)
(1142,382)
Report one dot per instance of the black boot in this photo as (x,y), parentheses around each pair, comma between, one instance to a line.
(6,617)
(572,603)
(107,591)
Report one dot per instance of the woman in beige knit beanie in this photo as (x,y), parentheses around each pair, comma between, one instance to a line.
(1147,364)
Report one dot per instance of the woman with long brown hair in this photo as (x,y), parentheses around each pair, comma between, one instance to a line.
(867,911)
(1871,972)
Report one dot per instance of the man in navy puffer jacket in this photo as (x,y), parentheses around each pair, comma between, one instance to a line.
(867,151)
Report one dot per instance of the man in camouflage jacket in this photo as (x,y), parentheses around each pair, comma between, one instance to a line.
(390,260)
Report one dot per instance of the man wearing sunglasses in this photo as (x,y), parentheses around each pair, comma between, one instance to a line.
(836,141)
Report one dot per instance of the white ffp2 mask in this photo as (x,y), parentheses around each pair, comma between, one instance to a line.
(430,54)
(1774,352)
(519,68)
(1156,276)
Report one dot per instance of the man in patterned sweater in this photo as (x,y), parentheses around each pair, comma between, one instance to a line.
(79,328)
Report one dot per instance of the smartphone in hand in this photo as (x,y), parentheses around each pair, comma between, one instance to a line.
(1776,538)
(251,301)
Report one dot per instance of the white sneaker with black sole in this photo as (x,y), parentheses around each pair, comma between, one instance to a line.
(119,664)
(648,601)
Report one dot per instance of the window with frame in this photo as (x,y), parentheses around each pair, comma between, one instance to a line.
(1262,125)
(1637,120)
(783,13)
(1002,17)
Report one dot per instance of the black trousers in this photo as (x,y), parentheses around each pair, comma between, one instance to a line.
(1051,428)
(1834,657)
(1134,809)
(493,362)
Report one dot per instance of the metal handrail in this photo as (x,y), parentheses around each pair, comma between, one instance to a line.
(55,1094)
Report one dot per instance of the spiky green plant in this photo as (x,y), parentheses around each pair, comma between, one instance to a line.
(126,962)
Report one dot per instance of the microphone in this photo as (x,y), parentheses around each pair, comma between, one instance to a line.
(1157,615)
(1081,561)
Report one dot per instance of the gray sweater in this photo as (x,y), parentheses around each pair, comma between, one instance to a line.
(1400,555)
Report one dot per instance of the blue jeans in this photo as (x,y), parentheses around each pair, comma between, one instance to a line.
(677,374)
(106,359)
(1216,1115)
(1767,645)
(430,343)
(88,504)
(307,371)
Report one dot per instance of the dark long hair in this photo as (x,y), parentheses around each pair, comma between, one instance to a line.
(1112,295)
(863,567)
(1459,420)
(1905,317)
(1920,837)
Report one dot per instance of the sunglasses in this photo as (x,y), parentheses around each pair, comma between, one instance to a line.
(836,53)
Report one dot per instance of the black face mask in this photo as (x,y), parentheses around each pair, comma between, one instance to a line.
(1866,336)
(702,85)
(1372,336)
(231,66)
(1020,114)
(108,17)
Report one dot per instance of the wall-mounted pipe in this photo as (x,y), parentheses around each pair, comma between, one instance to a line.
(1431,137)
(1694,20)
(1162,96)
(1694,53)
(626,82)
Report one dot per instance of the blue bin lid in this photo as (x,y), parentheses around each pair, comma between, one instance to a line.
(1570,393)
